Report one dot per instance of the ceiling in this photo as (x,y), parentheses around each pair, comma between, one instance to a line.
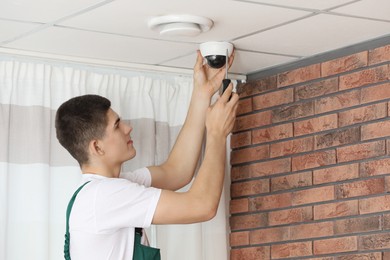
(266,33)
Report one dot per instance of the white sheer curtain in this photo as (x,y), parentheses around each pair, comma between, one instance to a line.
(37,176)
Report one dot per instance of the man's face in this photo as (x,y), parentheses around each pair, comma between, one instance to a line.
(117,144)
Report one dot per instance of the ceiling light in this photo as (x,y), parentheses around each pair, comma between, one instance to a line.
(180,25)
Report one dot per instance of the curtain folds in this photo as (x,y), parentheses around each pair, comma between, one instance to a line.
(37,176)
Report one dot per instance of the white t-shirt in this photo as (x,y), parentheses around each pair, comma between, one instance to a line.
(105,213)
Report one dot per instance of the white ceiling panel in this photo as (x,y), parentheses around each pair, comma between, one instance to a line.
(250,62)
(314,35)
(11,29)
(377,9)
(86,44)
(42,10)
(305,4)
(233,19)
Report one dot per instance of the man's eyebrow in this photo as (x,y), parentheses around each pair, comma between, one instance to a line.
(117,121)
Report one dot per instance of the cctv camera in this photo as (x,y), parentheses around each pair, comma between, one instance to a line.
(215,53)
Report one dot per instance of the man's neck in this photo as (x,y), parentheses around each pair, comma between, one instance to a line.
(102,171)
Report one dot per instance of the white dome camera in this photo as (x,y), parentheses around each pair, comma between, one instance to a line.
(216,53)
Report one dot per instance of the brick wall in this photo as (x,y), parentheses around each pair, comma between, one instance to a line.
(311,162)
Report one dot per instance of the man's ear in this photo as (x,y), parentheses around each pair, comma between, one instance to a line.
(95,148)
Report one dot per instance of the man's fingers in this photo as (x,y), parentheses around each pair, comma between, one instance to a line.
(199,61)
(234,100)
(216,80)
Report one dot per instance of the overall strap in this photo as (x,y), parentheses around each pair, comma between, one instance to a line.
(68,210)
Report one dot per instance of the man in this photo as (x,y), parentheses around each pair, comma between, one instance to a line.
(109,208)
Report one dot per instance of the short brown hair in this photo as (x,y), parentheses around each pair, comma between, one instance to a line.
(80,120)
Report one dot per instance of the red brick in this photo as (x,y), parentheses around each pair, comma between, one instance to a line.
(312,230)
(364,77)
(299,75)
(289,216)
(251,121)
(291,147)
(313,160)
(313,195)
(337,137)
(291,181)
(362,114)
(250,154)
(376,93)
(336,209)
(262,253)
(241,139)
(357,225)
(375,204)
(376,130)
(244,106)
(239,206)
(317,89)
(335,245)
(272,133)
(360,188)
(241,172)
(374,241)
(361,151)
(386,221)
(269,235)
(388,147)
(249,188)
(376,167)
(260,169)
(239,238)
(257,86)
(286,250)
(363,256)
(294,111)
(248,221)
(272,99)
(387,184)
(344,64)
(336,173)
(274,201)
(314,125)
(378,55)
(337,102)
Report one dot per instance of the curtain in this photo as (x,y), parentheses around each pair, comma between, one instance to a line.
(38,176)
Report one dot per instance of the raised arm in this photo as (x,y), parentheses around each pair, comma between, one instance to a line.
(178,170)
(201,201)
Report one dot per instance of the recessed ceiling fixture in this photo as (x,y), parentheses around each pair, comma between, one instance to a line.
(180,25)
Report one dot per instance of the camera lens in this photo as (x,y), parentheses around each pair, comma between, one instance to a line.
(216,61)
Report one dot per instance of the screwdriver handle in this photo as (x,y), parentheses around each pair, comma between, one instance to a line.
(225,84)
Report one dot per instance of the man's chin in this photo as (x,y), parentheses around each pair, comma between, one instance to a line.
(133,154)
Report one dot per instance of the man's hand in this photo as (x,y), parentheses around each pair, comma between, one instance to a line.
(221,116)
(206,79)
